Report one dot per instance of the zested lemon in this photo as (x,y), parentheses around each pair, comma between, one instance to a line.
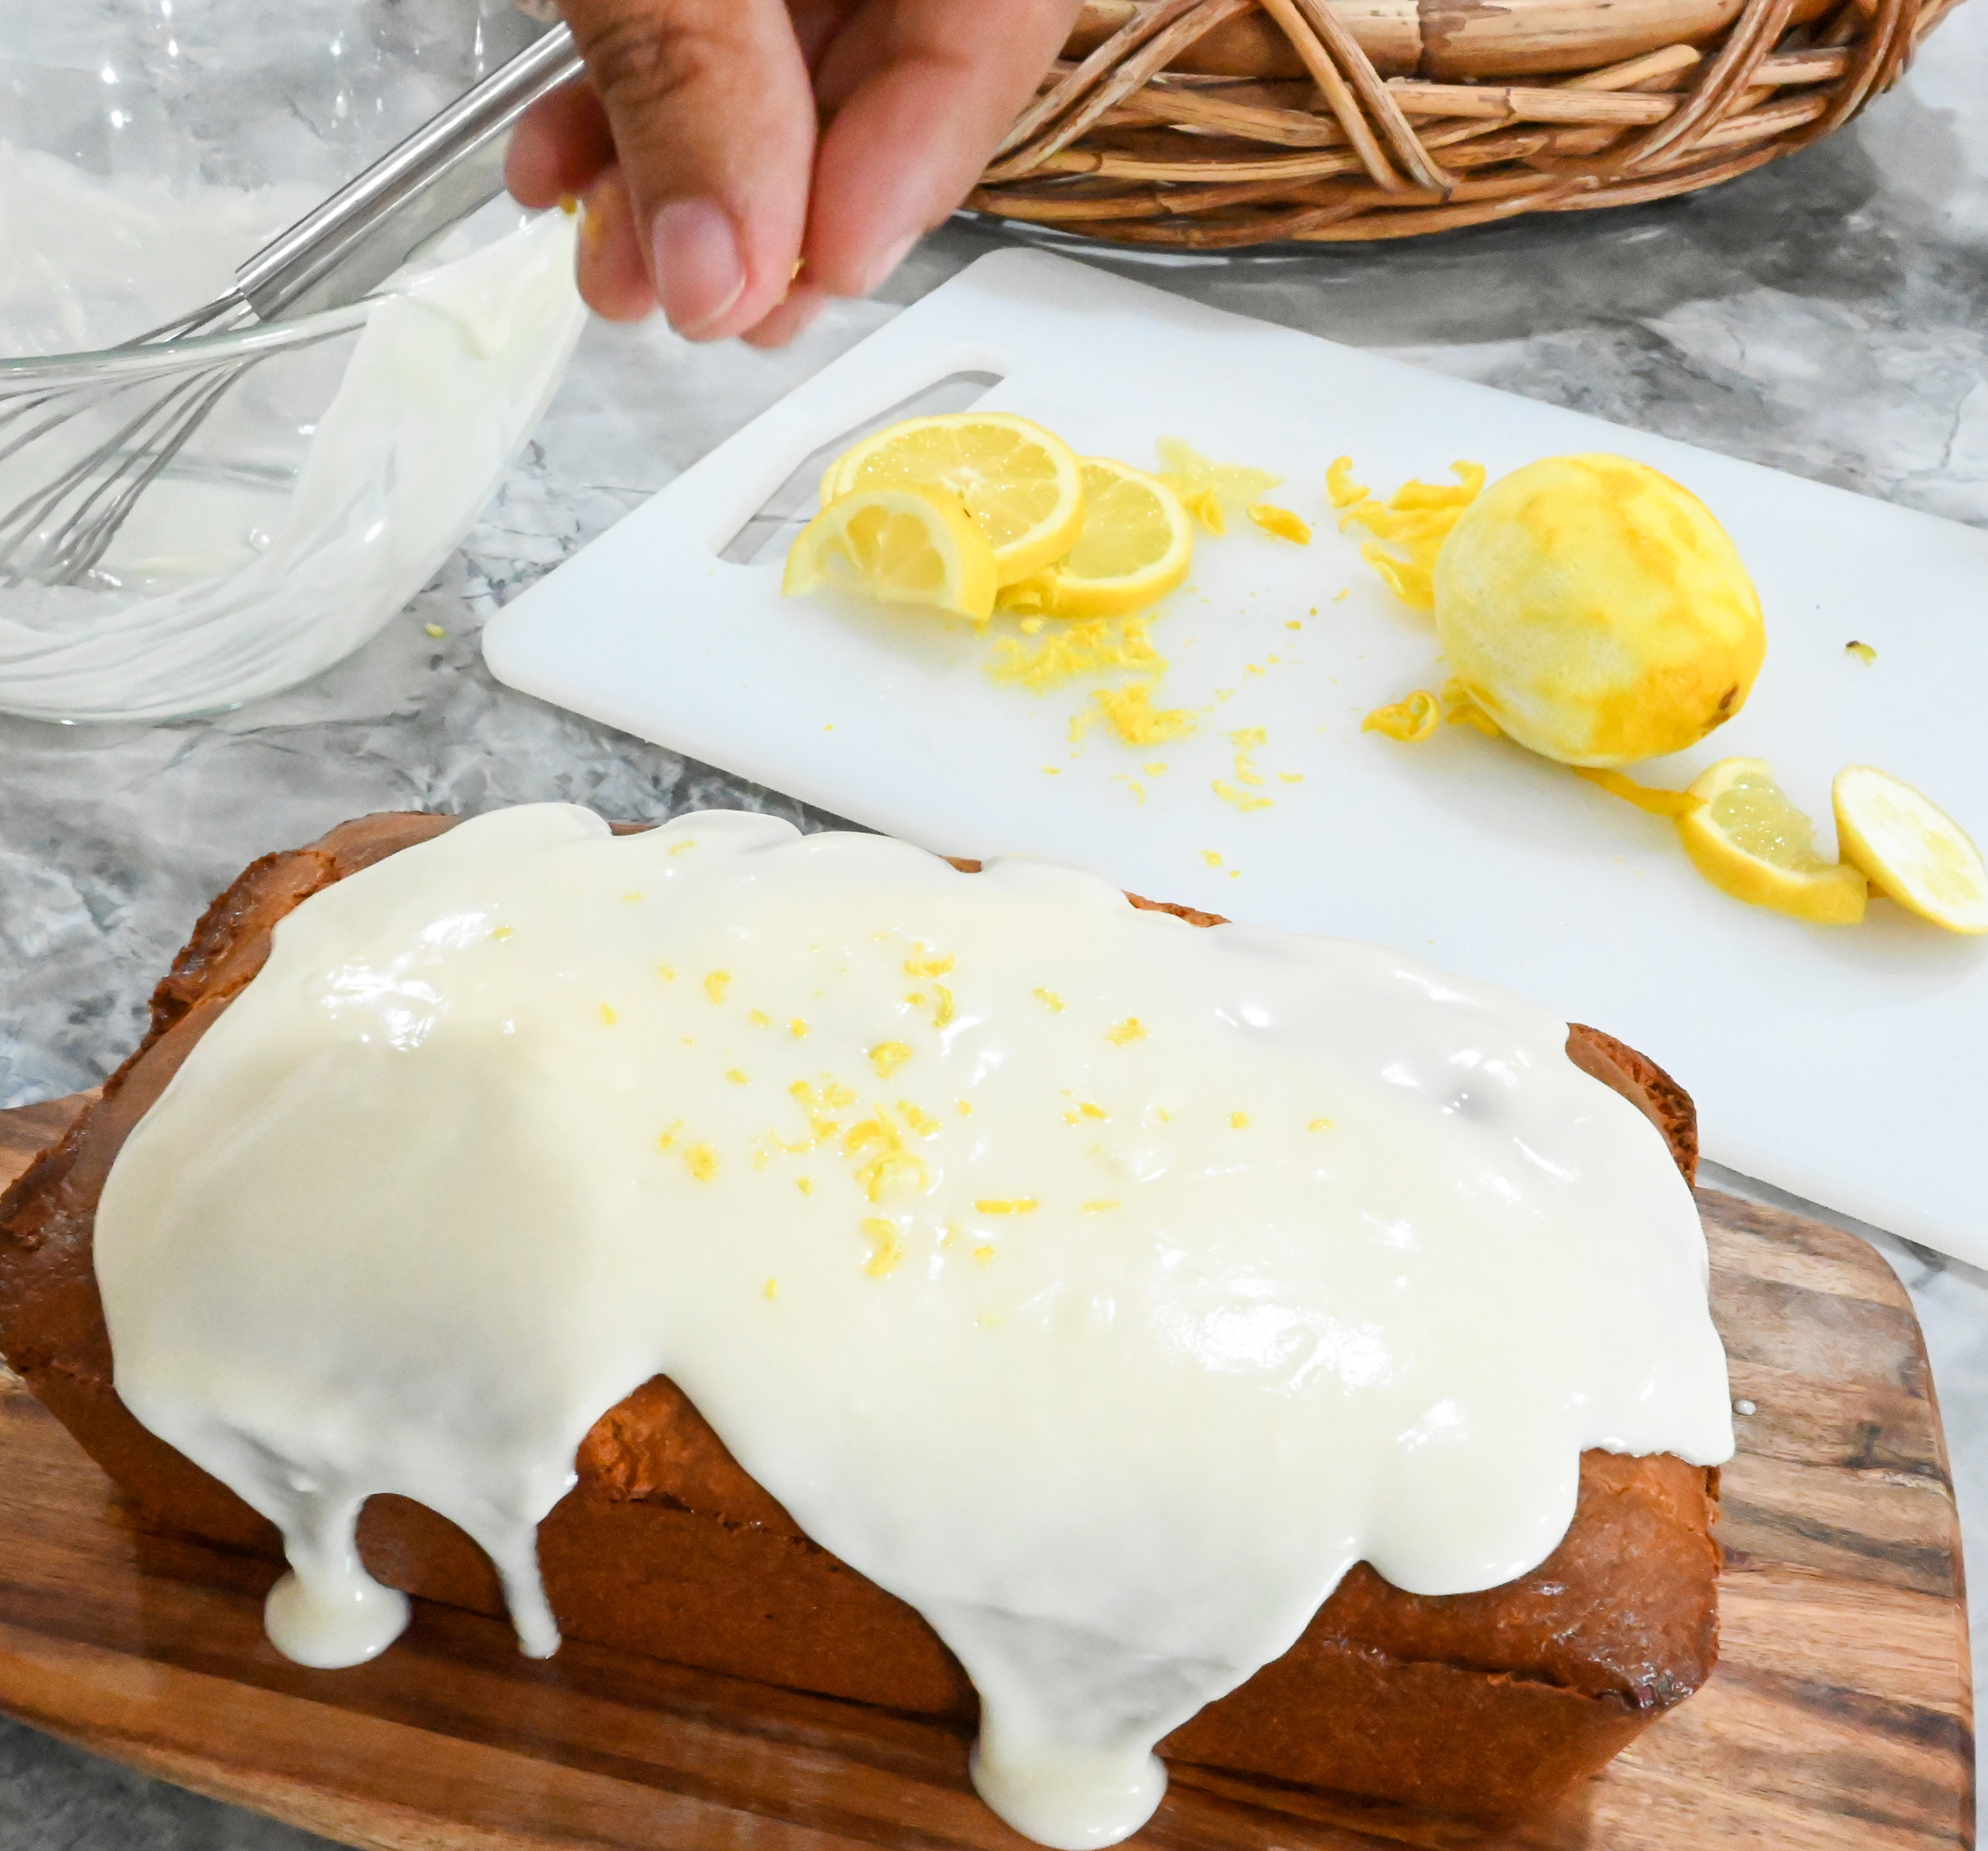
(1912,850)
(1137,546)
(1019,482)
(1749,840)
(913,543)
(1597,611)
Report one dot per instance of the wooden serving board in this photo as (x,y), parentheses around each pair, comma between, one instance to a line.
(1840,1718)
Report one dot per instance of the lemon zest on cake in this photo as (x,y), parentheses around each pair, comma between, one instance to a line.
(887,1057)
(886,1247)
(1124,1033)
(1008,1205)
(715,985)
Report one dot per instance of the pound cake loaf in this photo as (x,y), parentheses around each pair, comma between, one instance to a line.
(1483,1705)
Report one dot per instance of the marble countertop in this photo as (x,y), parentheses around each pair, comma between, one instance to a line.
(1827,316)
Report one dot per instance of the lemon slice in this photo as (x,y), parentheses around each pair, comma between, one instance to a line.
(913,543)
(1019,481)
(1749,841)
(1137,546)
(1912,849)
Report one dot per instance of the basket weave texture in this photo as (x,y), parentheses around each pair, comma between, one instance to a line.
(1213,124)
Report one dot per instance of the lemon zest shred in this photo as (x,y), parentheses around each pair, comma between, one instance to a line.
(1863,651)
(1319,1124)
(1341,490)
(607,1016)
(1418,518)
(1407,720)
(702,1160)
(1239,1121)
(1281,523)
(886,1248)
(1658,801)
(772,1288)
(1124,1033)
(1049,1000)
(715,985)
(1009,1206)
(1099,1207)
(1460,708)
(887,1057)
(1241,799)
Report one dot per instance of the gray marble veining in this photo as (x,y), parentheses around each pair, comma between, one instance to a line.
(1827,316)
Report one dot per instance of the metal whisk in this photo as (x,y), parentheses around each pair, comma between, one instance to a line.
(156,389)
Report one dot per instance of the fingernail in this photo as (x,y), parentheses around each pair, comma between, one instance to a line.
(699,272)
(881,270)
(794,315)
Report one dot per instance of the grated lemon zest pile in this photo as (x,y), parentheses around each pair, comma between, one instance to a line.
(1408,720)
(1087,645)
(1130,713)
(1208,489)
(1417,517)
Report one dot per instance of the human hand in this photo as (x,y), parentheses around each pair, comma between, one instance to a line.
(709,188)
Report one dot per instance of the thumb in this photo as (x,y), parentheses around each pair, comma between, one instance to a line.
(713,117)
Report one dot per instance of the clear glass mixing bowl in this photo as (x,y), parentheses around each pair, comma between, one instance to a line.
(146,148)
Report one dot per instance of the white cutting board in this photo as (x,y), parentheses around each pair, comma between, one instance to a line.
(1848,1065)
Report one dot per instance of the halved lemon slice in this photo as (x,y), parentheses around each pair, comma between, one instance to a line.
(1912,849)
(1137,546)
(1749,841)
(1019,481)
(913,543)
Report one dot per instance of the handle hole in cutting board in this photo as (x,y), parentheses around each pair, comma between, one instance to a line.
(768,533)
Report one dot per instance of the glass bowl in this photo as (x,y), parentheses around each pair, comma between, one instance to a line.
(147,147)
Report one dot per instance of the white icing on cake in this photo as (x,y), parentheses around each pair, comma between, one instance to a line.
(1146,1277)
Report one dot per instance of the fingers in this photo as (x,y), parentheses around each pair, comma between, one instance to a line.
(919,92)
(561,146)
(712,122)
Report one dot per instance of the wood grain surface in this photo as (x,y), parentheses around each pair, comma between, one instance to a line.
(1840,1718)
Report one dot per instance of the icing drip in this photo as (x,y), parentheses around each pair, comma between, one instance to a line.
(1103,1287)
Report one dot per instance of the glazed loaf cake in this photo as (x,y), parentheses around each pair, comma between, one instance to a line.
(1483,1706)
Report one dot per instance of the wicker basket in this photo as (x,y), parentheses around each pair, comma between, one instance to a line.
(1206,124)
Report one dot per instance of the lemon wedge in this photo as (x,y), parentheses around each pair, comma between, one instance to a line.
(1019,482)
(912,543)
(1912,850)
(1136,545)
(1749,841)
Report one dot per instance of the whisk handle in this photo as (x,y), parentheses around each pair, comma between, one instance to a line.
(440,173)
